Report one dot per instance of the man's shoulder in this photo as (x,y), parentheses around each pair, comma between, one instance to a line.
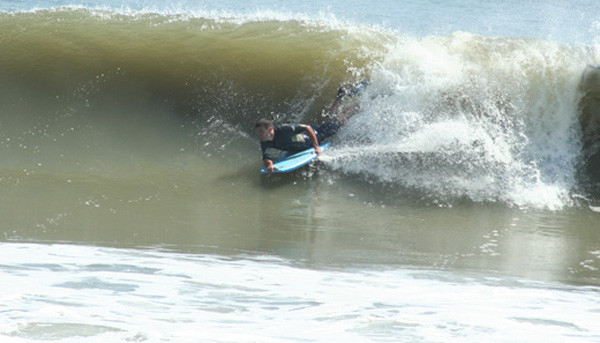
(290,127)
(266,144)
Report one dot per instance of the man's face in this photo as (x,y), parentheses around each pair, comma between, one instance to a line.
(265,133)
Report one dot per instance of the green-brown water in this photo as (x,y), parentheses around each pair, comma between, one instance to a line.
(451,206)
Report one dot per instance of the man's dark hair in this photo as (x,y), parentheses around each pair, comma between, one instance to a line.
(264,123)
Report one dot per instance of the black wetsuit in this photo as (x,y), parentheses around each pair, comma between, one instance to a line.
(289,139)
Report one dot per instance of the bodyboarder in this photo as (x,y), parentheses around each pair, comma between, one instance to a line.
(277,142)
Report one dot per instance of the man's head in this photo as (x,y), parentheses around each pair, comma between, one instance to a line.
(265,130)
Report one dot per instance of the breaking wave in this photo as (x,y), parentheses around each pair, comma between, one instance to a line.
(464,116)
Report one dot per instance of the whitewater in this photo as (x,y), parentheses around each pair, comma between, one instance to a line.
(460,203)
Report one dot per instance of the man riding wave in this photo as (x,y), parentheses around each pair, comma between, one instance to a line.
(278,142)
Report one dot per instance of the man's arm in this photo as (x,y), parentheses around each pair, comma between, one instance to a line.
(267,159)
(313,138)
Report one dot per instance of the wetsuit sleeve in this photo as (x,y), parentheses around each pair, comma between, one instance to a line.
(265,151)
(269,151)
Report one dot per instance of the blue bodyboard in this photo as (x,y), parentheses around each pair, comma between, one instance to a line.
(296,160)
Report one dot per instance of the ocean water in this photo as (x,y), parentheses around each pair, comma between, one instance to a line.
(458,205)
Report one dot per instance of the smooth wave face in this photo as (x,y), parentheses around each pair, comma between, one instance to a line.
(487,119)
(177,57)
(144,83)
